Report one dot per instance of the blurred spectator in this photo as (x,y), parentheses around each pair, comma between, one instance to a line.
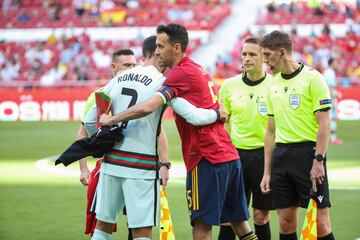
(101,59)
(2,58)
(10,71)
(6,4)
(271,7)
(23,17)
(79,7)
(39,53)
(106,5)
(52,38)
(53,75)
(132,4)
(54,10)
(81,59)
(36,66)
(66,56)
(81,73)
(330,77)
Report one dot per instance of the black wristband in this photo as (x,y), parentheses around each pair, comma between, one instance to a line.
(165,164)
(218,116)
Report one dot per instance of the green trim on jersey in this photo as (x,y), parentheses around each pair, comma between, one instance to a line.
(293,102)
(246,105)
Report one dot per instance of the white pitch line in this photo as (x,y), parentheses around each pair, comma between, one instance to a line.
(177,172)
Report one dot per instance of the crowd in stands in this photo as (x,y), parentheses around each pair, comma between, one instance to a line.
(75,60)
(310,12)
(313,50)
(205,14)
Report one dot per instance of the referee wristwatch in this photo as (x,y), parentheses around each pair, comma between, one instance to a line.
(165,164)
(319,157)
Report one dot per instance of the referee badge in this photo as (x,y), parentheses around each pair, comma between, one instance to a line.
(294,101)
(262,108)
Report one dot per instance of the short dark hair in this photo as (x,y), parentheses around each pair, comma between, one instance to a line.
(331,60)
(276,40)
(253,40)
(176,33)
(120,52)
(149,46)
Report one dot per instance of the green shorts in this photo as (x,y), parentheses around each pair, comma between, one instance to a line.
(141,198)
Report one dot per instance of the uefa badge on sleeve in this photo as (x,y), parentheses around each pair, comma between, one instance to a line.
(294,101)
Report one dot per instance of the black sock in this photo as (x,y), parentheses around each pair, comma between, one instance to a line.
(330,236)
(291,236)
(226,233)
(130,234)
(263,231)
(249,236)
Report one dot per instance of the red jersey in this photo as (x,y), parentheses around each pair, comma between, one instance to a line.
(191,82)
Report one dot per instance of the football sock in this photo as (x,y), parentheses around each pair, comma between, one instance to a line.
(263,232)
(226,233)
(330,236)
(100,235)
(291,236)
(249,236)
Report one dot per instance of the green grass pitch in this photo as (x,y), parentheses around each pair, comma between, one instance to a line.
(37,204)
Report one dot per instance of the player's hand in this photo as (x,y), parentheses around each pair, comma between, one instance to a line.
(265,184)
(105,120)
(223,113)
(84,176)
(317,174)
(164,174)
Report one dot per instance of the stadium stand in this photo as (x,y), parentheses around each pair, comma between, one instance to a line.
(314,49)
(195,15)
(74,60)
(308,12)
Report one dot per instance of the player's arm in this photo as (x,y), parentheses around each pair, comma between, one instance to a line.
(269,144)
(193,115)
(84,170)
(137,111)
(317,173)
(90,120)
(164,157)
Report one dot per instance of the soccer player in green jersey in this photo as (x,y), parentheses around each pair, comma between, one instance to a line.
(297,137)
(244,97)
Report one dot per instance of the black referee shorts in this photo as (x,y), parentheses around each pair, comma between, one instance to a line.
(290,176)
(253,169)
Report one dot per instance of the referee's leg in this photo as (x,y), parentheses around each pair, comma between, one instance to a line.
(323,224)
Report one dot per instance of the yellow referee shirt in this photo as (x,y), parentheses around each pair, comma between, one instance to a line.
(293,101)
(245,102)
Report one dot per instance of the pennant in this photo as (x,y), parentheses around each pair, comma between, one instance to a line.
(103,103)
(309,230)
(166,227)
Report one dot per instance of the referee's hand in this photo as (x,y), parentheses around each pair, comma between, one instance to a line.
(317,174)
(265,184)
(223,113)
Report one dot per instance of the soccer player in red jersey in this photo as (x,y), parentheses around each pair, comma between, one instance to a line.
(214,184)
